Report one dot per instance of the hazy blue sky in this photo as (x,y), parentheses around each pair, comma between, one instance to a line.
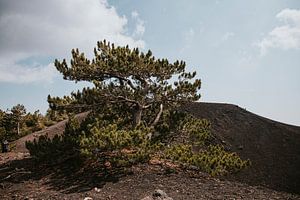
(246,52)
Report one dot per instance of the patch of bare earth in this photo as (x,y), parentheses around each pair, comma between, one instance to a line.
(33,182)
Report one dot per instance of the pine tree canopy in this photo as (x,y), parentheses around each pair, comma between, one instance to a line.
(18,110)
(129,78)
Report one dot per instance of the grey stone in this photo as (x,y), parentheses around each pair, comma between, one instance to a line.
(158,195)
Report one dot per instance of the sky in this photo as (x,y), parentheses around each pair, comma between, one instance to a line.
(245,52)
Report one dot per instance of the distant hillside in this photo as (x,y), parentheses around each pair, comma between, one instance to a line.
(273,147)
(51,131)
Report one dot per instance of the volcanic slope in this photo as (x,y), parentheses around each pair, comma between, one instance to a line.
(272,147)
(51,131)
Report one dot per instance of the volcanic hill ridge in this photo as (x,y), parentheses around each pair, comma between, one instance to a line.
(272,147)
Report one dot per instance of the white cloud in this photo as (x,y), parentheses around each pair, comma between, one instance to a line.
(289,15)
(20,74)
(140,25)
(227,35)
(134,14)
(286,36)
(35,28)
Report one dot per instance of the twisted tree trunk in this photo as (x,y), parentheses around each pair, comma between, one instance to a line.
(18,128)
(137,116)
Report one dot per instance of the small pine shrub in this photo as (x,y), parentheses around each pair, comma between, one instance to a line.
(119,147)
(58,148)
(106,140)
(212,159)
(197,129)
(94,139)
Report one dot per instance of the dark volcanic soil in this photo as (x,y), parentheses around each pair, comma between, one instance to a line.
(27,181)
(273,147)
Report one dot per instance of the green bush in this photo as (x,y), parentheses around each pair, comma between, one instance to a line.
(198,130)
(59,147)
(104,139)
(120,147)
(92,140)
(198,152)
(214,160)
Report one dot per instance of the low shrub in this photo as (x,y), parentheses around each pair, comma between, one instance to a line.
(119,147)
(103,139)
(213,160)
(58,148)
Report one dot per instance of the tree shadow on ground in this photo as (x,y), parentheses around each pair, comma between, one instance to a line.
(68,177)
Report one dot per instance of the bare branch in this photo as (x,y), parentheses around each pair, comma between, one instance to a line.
(128,100)
(161,107)
(147,106)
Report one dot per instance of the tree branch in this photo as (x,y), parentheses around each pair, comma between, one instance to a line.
(147,106)
(128,100)
(158,115)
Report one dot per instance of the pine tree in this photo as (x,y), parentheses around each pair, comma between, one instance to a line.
(2,125)
(135,81)
(18,112)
